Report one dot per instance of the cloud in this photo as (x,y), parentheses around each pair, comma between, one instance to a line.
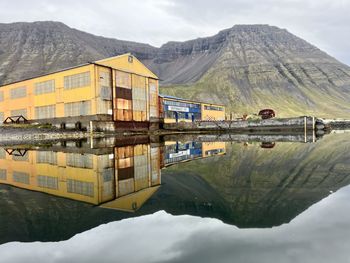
(320,234)
(324,23)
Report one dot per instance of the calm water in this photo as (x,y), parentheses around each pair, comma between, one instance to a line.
(231,198)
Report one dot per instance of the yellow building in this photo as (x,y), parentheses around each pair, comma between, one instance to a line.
(176,110)
(119,89)
(123,179)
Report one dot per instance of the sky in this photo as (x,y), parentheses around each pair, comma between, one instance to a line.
(324,23)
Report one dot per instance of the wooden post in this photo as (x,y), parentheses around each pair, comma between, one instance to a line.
(91,128)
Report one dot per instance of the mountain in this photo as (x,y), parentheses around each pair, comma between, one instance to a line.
(246,67)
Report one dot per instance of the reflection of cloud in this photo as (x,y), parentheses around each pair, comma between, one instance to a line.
(325,23)
(320,234)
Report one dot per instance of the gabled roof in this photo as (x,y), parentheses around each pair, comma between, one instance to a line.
(123,63)
(118,62)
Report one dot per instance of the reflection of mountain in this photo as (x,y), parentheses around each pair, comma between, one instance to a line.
(268,187)
(250,186)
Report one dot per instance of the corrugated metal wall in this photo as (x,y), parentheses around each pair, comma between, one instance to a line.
(136,97)
(137,168)
(153,98)
(123,97)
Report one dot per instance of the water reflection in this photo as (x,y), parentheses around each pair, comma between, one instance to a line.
(320,234)
(118,177)
(241,180)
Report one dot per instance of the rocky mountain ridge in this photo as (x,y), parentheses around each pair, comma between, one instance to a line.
(246,67)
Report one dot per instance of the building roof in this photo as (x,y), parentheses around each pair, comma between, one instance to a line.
(46,74)
(102,62)
(188,100)
(121,63)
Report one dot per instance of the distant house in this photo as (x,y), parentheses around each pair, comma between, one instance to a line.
(176,109)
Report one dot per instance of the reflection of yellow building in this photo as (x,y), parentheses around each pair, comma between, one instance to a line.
(121,178)
(96,179)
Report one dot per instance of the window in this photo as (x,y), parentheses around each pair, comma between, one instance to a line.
(215,108)
(105,86)
(45,112)
(214,151)
(2,153)
(47,182)
(81,108)
(46,157)
(3,174)
(139,99)
(181,104)
(130,59)
(19,92)
(20,158)
(80,187)
(77,80)
(20,112)
(169,114)
(139,96)
(20,177)
(108,175)
(123,80)
(44,87)
(1,96)
(79,160)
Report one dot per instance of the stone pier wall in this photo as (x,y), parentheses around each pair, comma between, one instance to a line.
(274,124)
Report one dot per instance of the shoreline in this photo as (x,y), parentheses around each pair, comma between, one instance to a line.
(22,134)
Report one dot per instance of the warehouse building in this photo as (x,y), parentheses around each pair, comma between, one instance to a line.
(118,92)
(174,110)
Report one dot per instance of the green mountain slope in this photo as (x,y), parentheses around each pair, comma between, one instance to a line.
(267,67)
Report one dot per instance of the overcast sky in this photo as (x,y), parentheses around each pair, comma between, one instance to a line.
(324,23)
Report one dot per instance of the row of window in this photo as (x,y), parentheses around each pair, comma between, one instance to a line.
(70,82)
(44,87)
(215,108)
(77,80)
(45,112)
(80,108)
(181,104)
(19,92)
(73,186)
(182,115)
